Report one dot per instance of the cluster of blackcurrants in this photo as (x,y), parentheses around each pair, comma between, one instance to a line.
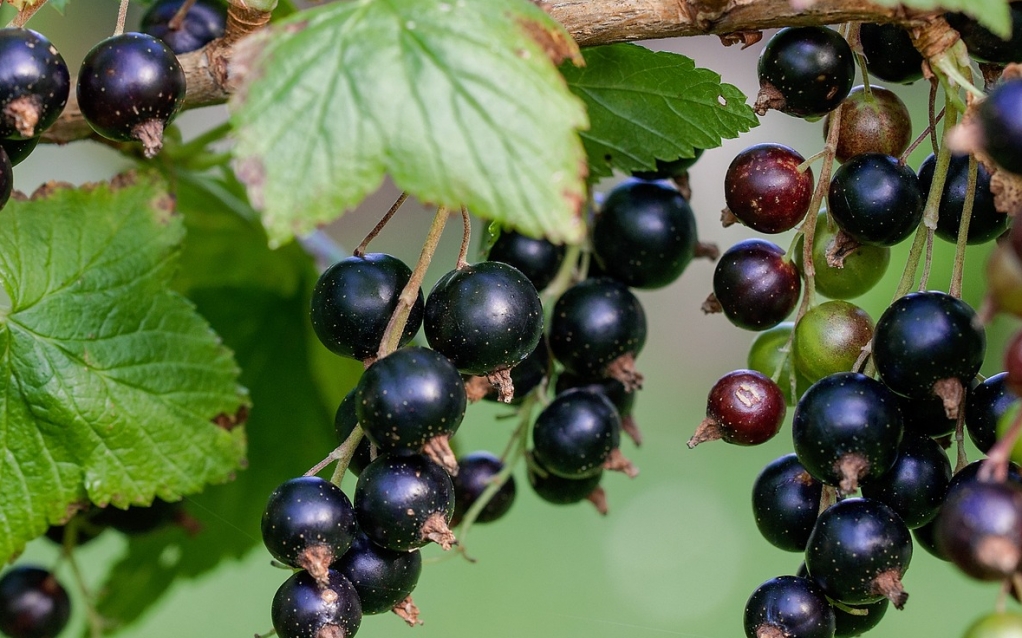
(485,327)
(885,435)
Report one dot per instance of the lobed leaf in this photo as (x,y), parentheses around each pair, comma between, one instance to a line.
(458,101)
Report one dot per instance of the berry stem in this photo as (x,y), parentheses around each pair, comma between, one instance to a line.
(95,620)
(466,239)
(922,136)
(963,229)
(179,17)
(269,634)
(962,458)
(122,14)
(931,108)
(25,14)
(396,325)
(360,250)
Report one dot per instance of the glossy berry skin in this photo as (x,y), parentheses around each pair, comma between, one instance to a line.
(746,407)
(484,318)
(301,608)
(829,339)
(32,603)
(768,351)
(307,512)
(983,44)
(345,420)
(863,266)
(811,67)
(476,471)
(923,537)
(353,300)
(6,178)
(595,322)
(396,495)
(849,624)
(765,189)
(538,259)
(785,501)
(575,434)
(757,287)
(874,123)
(980,529)
(917,483)
(203,23)
(793,606)
(558,490)
(18,150)
(847,418)
(623,400)
(985,404)
(986,222)
(127,81)
(1000,119)
(527,375)
(854,543)
(875,200)
(890,54)
(925,337)
(409,397)
(33,77)
(926,416)
(382,577)
(645,234)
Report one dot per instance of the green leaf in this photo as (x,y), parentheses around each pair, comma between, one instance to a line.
(993,14)
(258,301)
(646,105)
(110,381)
(458,101)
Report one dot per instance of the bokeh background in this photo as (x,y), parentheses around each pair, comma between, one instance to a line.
(679,552)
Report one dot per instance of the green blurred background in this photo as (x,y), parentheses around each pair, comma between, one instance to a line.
(679,552)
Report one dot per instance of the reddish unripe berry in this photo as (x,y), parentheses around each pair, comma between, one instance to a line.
(745,407)
(765,189)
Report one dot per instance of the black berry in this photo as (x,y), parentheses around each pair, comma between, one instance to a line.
(476,472)
(785,502)
(875,199)
(382,577)
(203,23)
(34,83)
(789,606)
(805,71)
(537,258)
(33,604)
(304,608)
(756,285)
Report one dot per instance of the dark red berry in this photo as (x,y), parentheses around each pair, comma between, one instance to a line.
(33,604)
(744,407)
(130,86)
(756,285)
(765,188)
(877,122)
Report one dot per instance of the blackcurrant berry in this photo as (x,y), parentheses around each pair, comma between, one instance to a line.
(984,45)
(890,54)
(644,235)
(382,577)
(1000,118)
(403,501)
(829,339)
(755,284)
(858,552)
(33,604)
(917,483)
(844,270)
(980,529)
(476,472)
(525,377)
(744,407)
(130,86)
(614,390)
(308,523)
(203,23)
(859,619)
(985,404)
(875,199)
(669,170)
(34,83)
(353,301)
(137,519)
(409,398)
(304,608)
(986,223)
(877,122)
(926,416)
(6,178)
(537,258)
(564,491)
(923,537)
(846,430)
(785,502)
(597,329)
(766,188)
(18,150)
(485,317)
(789,606)
(575,434)
(925,341)
(345,420)
(805,71)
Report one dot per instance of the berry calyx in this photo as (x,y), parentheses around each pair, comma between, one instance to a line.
(130,86)
(34,83)
(804,71)
(744,407)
